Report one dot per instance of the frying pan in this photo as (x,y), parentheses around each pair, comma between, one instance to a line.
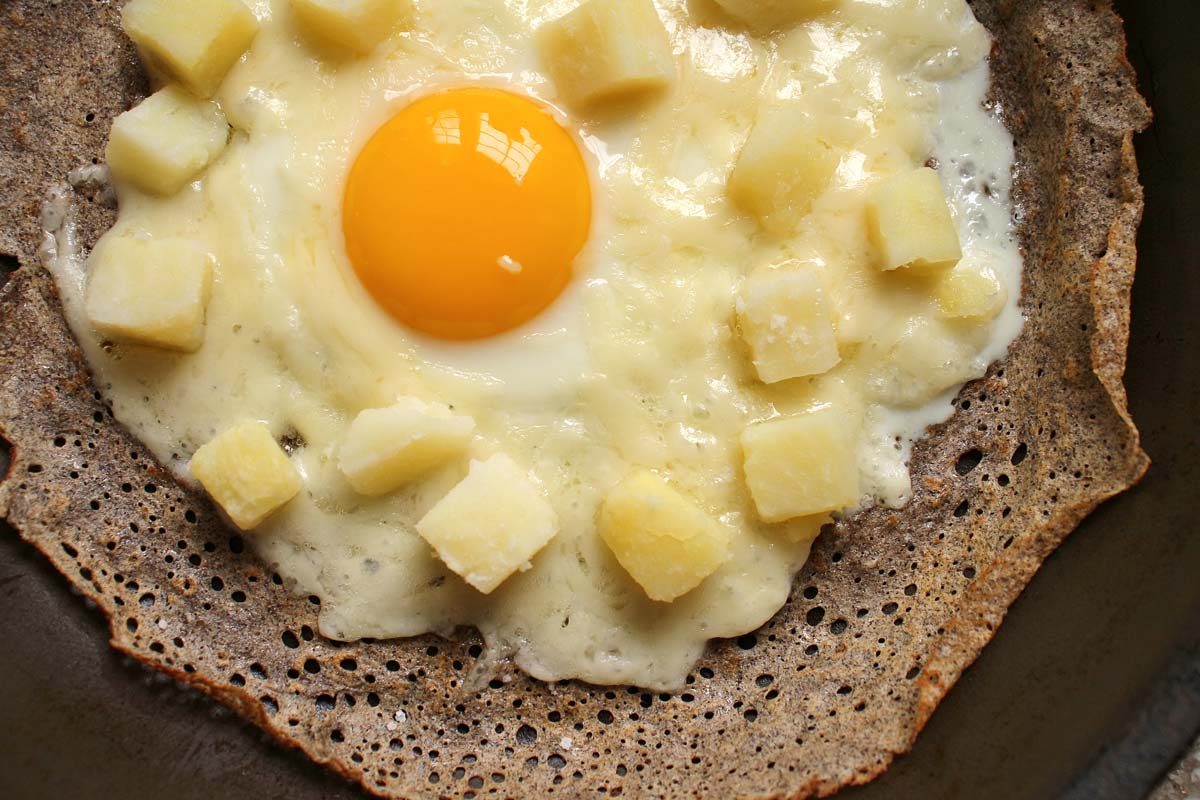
(1091,689)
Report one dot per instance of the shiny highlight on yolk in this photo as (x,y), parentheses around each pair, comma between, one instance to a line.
(464,212)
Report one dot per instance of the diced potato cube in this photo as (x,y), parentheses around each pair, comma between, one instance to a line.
(971,294)
(928,358)
(491,524)
(606,49)
(786,320)
(785,164)
(766,15)
(194,42)
(150,291)
(246,473)
(355,25)
(802,465)
(662,539)
(387,447)
(910,224)
(165,141)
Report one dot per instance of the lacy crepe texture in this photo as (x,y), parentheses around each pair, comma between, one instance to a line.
(891,608)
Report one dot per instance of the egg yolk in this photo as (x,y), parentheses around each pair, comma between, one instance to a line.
(464,212)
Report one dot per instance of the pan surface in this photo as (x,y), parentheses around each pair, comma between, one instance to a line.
(1090,689)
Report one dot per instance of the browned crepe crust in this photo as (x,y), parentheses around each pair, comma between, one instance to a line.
(890,610)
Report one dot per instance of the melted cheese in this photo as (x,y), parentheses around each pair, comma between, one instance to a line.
(639,364)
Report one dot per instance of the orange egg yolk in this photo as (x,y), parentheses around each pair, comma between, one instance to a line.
(464,212)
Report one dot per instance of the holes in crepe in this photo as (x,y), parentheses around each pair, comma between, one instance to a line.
(526,734)
(8,265)
(1019,454)
(747,641)
(815,615)
(291,441)
(968,461)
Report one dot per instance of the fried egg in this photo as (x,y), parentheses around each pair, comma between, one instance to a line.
(443,217)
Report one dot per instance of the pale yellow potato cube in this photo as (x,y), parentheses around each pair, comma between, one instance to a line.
(970,294)
(246,472)
(928,358)
(785,165)
(910,224)
(165,141)
(763,15)
(385,448)
(149,291)
(786,320)
(663,540)
(355,25)
(193,42)
(491,524)
(802,465)
(606,49)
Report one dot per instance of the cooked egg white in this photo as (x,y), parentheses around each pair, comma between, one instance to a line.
(638,364)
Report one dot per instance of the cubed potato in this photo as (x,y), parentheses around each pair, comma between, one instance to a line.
(785,165)
(910,224)
(607,49)
(802,465)
(246,472)
(491,524)
(787,322)
(194,42)
(165,141)
(385,448)
(928,358)
(663,540)
(149,291)
(765,15)
(970,294)
(355,25)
